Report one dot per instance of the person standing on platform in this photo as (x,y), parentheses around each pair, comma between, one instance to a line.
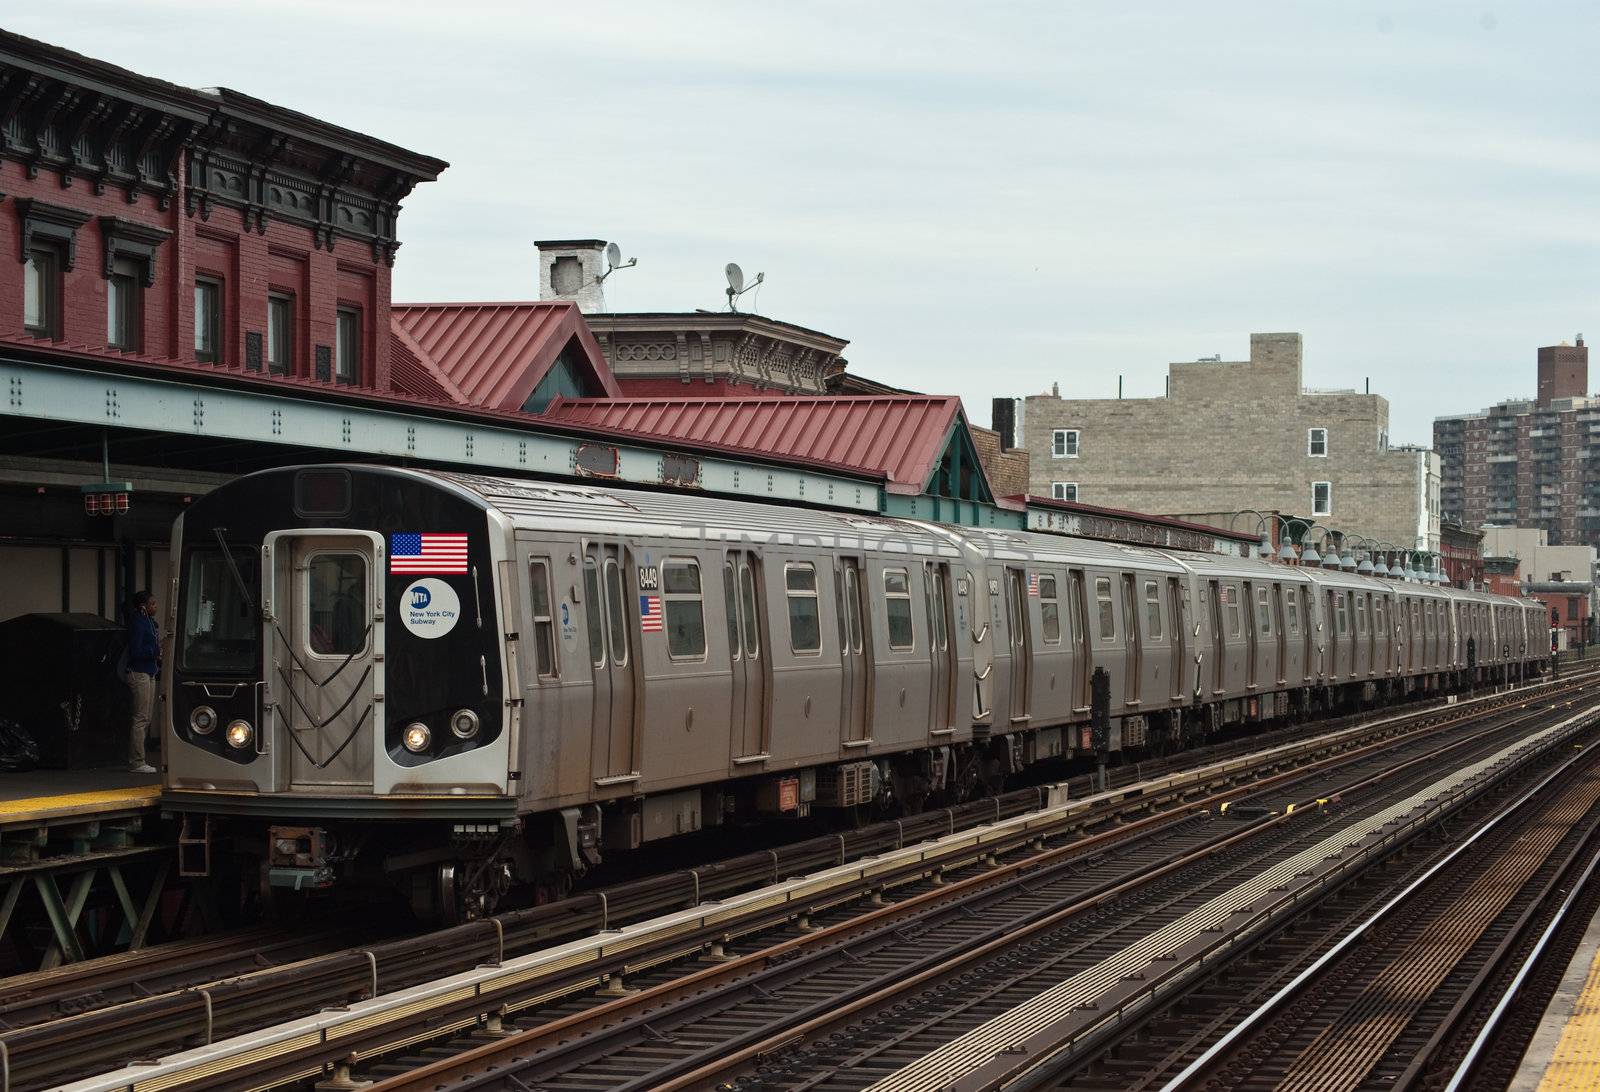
(144,666)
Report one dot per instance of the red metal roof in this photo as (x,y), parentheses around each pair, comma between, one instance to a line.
(412,373)
(494,354)
(900,437)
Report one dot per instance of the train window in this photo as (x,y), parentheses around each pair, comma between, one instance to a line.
(1103,605)
(805,619)
(1152,611)
(336,604)
(544,623)
(591,612)
(897,607)
(1377,615)
(1049,609)
(1263,613)
(1291,611)
(685,615)
(220,631)
(1230,599)
(752,620)
(1361,616)
(730,598)
(1341,613)
(941,636)
(852,608)
(616,617)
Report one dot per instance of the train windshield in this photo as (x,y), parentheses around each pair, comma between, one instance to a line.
(218,628)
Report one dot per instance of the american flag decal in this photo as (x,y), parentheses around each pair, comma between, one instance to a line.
(410,552)
(650,614)
(1033,585)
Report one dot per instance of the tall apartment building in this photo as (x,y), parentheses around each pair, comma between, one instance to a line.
(1232,435)
(1529,463)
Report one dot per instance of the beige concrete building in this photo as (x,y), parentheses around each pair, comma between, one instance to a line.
(1239,434)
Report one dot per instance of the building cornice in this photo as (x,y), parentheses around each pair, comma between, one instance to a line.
(88,120)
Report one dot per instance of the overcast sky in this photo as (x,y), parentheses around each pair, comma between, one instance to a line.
(982,198)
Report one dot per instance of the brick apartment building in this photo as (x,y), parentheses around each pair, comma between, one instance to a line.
(148,228)
(1523,463)
(1232,435)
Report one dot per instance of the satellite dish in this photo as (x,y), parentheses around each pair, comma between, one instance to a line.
(614,262)
(735,278)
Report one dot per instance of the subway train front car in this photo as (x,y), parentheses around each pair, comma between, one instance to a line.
(337,706)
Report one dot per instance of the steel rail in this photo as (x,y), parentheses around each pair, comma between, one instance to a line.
(342,978)
(1475,1052)
(552,1041)
(1201,1066)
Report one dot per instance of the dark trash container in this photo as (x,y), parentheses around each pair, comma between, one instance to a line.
(59,681)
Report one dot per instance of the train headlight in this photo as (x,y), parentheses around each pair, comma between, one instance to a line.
(203,721)
(416,738)
(239,734)
(464,724)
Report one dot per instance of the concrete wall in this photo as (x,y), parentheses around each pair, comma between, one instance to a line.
(1233,435)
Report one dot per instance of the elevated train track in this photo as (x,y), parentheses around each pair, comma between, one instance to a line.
(1002,852)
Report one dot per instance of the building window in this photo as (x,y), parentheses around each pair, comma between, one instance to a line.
(685,616)
(41,292)
(1317,442)
(1064,491)
(1322,498)
(897,607)
(280,334)
(124,304)
(208,320)
(349,348)
(1064,444)
(805,622)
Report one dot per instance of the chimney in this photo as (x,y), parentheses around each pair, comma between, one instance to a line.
(1003,418)
(570,269)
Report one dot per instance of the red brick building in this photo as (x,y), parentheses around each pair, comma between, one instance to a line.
(203,228)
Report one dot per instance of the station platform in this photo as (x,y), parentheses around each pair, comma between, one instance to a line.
(50,796)
(1564,1055)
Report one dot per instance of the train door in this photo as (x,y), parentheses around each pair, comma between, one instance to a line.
(1180,636)
(741,585)
(1252,630)
(941,649)
(1082,660)
(1021,642)
(1133,644)
(325,655)
(613,747)
(856,654)
(1218,676)
(1281,646)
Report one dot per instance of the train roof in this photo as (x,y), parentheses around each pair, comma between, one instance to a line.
(604,510)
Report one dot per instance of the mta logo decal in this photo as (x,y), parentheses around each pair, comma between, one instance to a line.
(420,598)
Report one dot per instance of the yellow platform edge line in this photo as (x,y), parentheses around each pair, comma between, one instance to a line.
(1575,1063)
(70,803)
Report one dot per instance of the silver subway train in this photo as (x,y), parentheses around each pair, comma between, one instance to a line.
(464,682)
